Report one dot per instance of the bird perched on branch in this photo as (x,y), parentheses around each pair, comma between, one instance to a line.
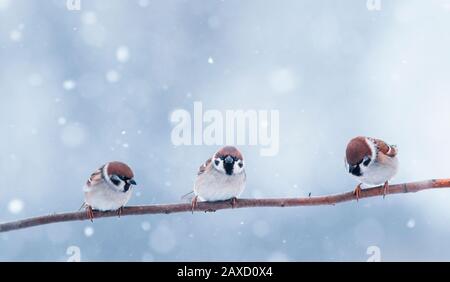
(222,177)
(108,188)
(372,161)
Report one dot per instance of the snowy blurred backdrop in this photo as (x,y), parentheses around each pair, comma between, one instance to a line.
(79,88)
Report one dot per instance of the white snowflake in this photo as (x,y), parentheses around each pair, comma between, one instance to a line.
(88,231)
(112,76)
(15,206)
(122,54)
(62,121)
(146,226)
(144,3)
(15,35)
(411,223)
(69,85)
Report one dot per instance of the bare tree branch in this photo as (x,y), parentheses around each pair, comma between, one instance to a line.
(241,203)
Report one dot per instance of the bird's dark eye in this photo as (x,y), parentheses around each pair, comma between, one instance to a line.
(240,165)
(216,162)
(366,162)
(115,179)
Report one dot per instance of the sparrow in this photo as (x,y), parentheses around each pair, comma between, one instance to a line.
(222,177)
(108,188)
(372,161)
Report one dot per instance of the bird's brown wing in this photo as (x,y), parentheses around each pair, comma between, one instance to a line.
(203,167)
(189,196)
(388,150)
(95,177)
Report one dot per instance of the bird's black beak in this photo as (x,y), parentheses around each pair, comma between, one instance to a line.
(351,168)
(132,182)
(229,160)
(355,170)
(228,165)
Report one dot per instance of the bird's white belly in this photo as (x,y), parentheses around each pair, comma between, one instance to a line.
(379,173)
(216,186)
(103,198)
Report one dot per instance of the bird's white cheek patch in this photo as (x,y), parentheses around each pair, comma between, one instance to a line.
(362,168)
(219,167)
(237,168)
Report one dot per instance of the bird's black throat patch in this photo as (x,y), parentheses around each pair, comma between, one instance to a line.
(228,168)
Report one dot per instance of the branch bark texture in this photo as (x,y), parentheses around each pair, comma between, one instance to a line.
(241,203)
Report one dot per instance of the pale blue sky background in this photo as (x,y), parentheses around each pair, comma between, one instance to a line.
(79,88)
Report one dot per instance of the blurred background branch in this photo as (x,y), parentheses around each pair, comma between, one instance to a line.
(240,203)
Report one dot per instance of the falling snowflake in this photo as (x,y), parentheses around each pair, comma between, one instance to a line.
(210,60)
(62,121)
(411,223)
(88,231)
(145,226)
(15,35)
(15,206)
(69,85)
(122,54)
(144,3)
(112,76)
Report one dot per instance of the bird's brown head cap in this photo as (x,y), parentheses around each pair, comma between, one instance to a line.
(229,151)
(119,168)
(357,149)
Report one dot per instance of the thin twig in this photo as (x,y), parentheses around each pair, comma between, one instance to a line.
(240,203)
